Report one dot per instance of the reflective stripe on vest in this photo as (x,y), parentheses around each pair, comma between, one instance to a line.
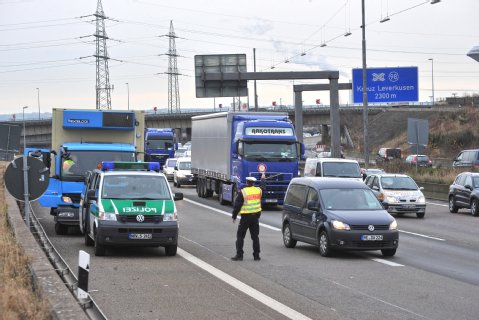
(252,200)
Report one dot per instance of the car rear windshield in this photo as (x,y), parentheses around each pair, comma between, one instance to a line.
(393,153)
(398,183)
(171,163)
(423,158)
(349,199)
(341,169)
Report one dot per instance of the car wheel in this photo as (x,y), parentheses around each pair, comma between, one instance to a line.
(88,241)
(288,240)
(324,246)
(99,249)
(171,250)
(388,252)
(60,229)
(452,205)
(475,207)
(178,184)
(420,215)
(174,182)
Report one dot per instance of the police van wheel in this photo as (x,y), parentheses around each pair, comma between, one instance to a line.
(171,250)
(60,229)
(88,241)
(98,248)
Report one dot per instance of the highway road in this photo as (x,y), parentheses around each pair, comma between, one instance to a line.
(433,275)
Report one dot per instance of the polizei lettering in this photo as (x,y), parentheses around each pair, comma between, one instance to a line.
(268,131)
(139,210)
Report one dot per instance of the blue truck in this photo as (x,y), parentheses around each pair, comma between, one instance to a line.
(81,140)
(160,144)
(227,147)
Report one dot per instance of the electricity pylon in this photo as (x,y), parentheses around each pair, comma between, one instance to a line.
(103,95)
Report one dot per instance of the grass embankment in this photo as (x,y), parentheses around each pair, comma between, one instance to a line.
(17,298)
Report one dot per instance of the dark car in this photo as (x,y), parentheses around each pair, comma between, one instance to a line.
(388,154)
(464,193)
(467,158)
(335,213)
(419,160)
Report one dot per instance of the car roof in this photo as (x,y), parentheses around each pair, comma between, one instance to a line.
(475,174)
(329,183)
(184,159)
(132,173)
(401,175)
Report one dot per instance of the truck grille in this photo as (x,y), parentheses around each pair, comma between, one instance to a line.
(272,177)
(365,227)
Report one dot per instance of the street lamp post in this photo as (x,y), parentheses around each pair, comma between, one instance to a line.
(25,176)
(38,98)
(432,79)
(365,91)
(128,88)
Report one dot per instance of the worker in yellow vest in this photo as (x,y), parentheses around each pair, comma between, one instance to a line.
(248,204)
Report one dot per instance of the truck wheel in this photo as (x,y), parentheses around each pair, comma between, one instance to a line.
(171,250)
(202,187)
(99,249)
(220,195)
(198,187)
(60,229)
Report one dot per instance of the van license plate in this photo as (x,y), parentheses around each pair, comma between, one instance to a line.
(271,200)
(372,237)
(134,236)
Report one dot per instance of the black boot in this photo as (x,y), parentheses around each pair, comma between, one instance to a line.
(237,258)
(256,257)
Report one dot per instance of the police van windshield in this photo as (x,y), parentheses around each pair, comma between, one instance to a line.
(76,163)
(146,187)
(160,143)
(268,151)
(184,165)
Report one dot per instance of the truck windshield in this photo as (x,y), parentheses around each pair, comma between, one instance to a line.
(159,143)
(341,169)
(268,151)
(147,187)
(78,163)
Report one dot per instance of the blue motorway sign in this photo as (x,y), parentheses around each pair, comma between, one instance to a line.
(398,84)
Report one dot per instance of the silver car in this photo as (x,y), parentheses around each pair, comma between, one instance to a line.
(169,168)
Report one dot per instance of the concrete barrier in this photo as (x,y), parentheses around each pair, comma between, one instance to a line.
(435,190)
(63,304)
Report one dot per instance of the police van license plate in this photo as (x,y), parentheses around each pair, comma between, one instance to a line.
(134,236)
(372,237)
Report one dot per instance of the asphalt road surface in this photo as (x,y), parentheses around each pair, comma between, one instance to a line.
(433,275)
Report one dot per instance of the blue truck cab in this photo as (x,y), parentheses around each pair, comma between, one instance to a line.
(160,144)
(81,140)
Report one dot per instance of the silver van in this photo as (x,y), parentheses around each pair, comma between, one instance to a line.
(467,158)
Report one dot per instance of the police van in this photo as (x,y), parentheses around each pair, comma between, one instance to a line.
(129,204)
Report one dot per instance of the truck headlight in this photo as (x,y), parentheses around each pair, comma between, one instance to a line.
(170,216)
(67,199)
(393,225)
(338,225)
(107,216)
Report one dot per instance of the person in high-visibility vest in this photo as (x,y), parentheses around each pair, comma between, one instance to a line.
(248,204)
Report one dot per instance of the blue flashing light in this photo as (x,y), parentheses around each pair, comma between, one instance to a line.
(119,165)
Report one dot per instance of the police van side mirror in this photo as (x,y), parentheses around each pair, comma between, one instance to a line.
(178,196)
(91,194)
(314,205)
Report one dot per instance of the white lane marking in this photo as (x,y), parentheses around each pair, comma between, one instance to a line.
(422,235)
(243,287)
(437,204)
(228,213)
(389,263)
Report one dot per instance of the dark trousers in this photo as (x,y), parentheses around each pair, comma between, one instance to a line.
(251,222)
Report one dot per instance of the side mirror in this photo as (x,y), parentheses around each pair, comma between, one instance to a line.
(178,196)
(176,167)
(385,205)
(176,145)
(376,188)
(313,205)
(91,194)
(469,187)
(421,188)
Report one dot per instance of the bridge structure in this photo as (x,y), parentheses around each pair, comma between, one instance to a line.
(38,132)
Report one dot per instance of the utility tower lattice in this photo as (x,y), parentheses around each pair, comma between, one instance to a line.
(173,87)
(103,96)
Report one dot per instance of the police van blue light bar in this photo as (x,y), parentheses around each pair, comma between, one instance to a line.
(118,165)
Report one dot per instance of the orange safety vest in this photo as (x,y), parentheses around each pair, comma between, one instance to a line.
(252,200)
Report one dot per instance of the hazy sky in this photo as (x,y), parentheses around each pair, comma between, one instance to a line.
(48,44)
